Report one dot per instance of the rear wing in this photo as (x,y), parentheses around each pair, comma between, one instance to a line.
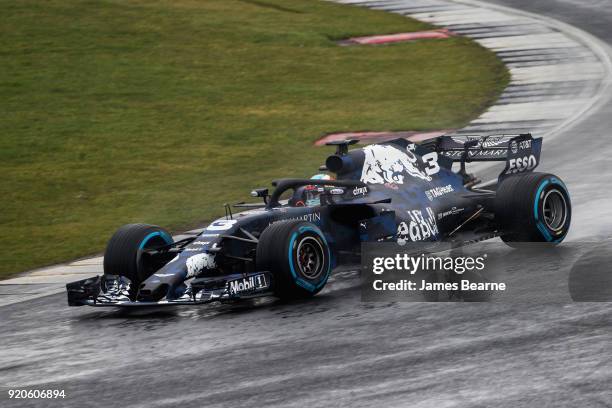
(520,152)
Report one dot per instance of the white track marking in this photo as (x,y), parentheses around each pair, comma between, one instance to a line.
(542,55)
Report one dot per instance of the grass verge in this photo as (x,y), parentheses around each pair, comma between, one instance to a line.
(121,111)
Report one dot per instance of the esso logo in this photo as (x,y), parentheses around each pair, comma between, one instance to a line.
(522,164)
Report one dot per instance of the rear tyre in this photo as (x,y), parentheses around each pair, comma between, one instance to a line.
(297,254)
(123,255)
(533,207)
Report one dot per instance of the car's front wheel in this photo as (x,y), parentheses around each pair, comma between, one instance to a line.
(123,255)
(297,254)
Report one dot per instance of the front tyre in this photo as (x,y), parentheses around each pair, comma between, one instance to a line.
(123,255)
(297,254)
(533,207)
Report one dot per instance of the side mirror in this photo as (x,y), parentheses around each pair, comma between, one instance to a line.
(259,192)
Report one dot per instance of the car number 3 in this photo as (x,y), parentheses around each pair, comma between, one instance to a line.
(431,160)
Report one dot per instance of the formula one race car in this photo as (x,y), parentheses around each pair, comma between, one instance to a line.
(395,191)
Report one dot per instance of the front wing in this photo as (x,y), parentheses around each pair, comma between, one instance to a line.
(114,291)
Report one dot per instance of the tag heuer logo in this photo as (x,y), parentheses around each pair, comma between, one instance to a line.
(514,146)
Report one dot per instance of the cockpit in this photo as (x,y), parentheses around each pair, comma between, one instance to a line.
(309,195)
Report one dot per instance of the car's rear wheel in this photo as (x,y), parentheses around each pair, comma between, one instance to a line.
(297,254)
(124,257)
(533,207)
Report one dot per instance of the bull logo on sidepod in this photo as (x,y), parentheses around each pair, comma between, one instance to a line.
(388,164)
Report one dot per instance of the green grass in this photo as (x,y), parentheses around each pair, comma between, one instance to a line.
(160,111)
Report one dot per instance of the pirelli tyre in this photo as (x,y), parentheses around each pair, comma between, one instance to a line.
(123,255)
(533,207)
(297,254)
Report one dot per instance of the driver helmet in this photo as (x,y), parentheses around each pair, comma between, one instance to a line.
(312,193)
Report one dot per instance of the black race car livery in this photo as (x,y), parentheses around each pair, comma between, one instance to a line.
(396,191)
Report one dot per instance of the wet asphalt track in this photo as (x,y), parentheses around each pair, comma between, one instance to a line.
(335,350)
(331,351)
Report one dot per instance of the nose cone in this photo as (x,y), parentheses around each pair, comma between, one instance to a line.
(163,282)
(152,292)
